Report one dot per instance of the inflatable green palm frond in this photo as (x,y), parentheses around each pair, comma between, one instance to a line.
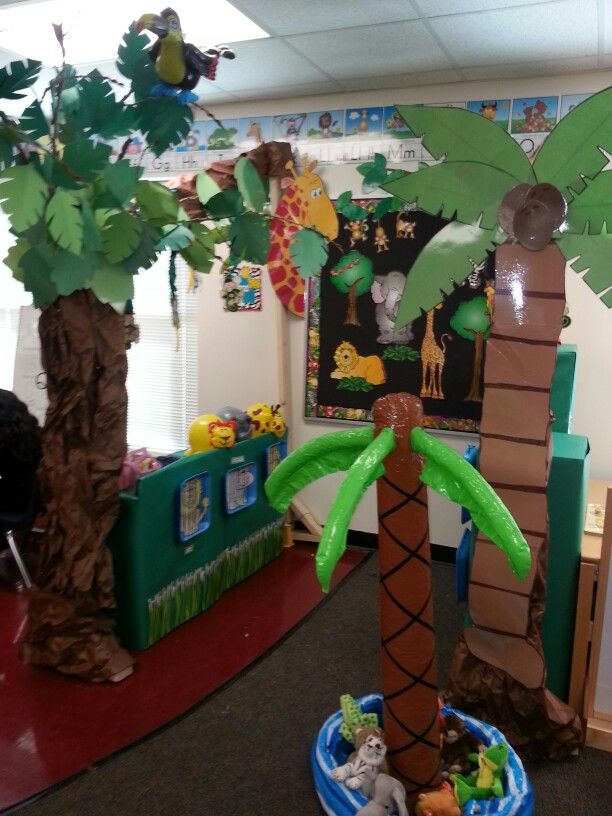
(450,475)
(313,460)
(366,468)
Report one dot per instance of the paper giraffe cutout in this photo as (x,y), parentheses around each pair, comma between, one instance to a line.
(304,204)
(433,357)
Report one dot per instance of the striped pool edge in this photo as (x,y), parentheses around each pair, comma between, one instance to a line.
(337,800)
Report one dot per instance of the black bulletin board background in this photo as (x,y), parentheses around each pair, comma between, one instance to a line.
(327,310)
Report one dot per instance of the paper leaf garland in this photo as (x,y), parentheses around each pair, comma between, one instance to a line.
(200,254)
(159,204)
(164,122)
(24,193)
(33,121)
(460,135)
(445,262)
(145,254)
(120,237)
(226,204)
(70,272)
(86,158)
(250,184)
(250,237)
(470,190)
(134,62)
(120,179)
(175,237)
(65,221)
(37,264)
(308,252)
(112,284)
(206,187)
(573,148)
(16,76)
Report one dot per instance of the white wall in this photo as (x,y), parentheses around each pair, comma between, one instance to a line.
(248,370)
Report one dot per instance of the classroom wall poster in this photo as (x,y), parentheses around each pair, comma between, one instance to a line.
(354,353)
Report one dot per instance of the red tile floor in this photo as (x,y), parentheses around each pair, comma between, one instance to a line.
(52,727)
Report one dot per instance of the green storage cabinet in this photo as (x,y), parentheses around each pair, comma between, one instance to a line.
(562,388)
(164,575)
(567,496)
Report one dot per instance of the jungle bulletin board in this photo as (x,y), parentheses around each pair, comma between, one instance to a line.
(354,353)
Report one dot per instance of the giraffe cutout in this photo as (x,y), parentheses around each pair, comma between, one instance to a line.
(433,357)
(304,203)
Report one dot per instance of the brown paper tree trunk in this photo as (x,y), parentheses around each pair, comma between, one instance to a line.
(351,318)
(498,671)
(408,649)
(84,444)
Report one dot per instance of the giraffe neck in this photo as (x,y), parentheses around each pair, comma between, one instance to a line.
(429,333)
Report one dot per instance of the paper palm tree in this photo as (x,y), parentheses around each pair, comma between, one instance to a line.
(391,453)
(539,216)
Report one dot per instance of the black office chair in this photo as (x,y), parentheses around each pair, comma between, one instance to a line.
(19,458)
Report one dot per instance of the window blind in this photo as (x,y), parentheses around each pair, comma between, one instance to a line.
(162,367)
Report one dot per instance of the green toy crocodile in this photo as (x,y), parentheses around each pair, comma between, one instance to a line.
(487,782)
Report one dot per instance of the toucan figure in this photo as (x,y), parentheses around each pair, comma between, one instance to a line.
(178,64)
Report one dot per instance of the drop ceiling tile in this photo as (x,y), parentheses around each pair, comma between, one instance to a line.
(606,24)
(400,80)
(263,64)
(528,34)
(437,8)
(299,17)
(385,49)
(288,92)
(531,69)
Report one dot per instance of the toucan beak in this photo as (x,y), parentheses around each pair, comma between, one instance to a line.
(153,23)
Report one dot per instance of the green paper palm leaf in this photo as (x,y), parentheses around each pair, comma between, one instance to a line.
(200,253)
(461,135)
(250,237)
(65,221)
(24,193)
(572,149)
(444,263)
(250,184)
(365,470)
(33,121)
(86,158)
(112,284)
(308,250)
(589,211)
(451,476)
(134,62)
(164,122)
(469,189)
(593,253)
(70,272)
(120,237)
(16,76)
(206,187)
(313,460)
(158,204)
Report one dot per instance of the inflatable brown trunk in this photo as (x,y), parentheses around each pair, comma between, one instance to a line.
(84,443)
(408,657)
(498,671)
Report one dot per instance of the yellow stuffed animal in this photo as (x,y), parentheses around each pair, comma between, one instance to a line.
(261,418)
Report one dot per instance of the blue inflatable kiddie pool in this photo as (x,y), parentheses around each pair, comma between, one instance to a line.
(330,749)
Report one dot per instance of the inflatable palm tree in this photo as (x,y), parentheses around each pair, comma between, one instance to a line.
(392,453)
(539,216)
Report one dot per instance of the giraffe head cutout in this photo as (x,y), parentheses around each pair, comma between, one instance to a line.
(315,209)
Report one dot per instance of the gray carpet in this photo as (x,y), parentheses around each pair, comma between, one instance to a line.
(244,752)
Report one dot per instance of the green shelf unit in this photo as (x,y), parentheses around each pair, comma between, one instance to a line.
(162,580)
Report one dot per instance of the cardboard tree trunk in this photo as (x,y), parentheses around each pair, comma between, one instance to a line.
(84,444)
(498,670)
(407,637)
